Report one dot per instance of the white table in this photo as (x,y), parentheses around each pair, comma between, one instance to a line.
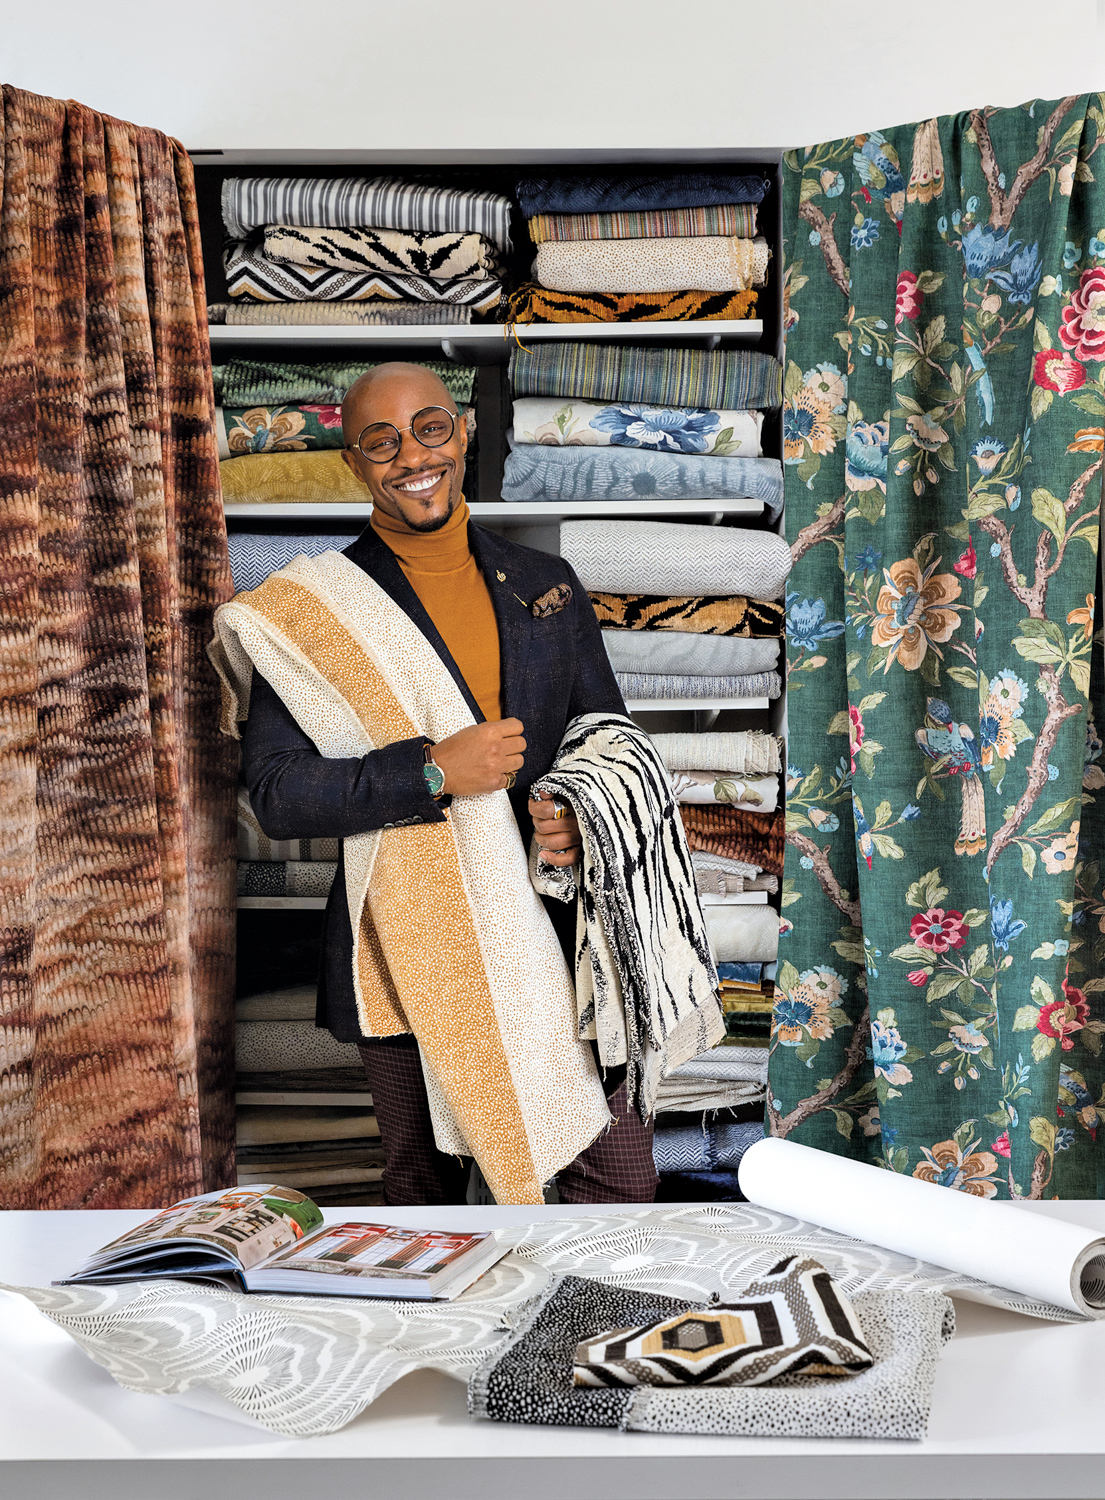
(1018,1413)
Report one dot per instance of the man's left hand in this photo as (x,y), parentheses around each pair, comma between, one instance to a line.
(558,838)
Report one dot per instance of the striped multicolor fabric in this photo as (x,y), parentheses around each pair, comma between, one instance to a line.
(718,378)
(249,273)
(795,1321)
(382,202)
(531,303)
(643,224)
(258,382)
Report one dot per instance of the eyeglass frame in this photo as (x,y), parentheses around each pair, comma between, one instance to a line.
(399,431)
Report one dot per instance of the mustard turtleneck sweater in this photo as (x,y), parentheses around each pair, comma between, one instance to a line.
(441,569)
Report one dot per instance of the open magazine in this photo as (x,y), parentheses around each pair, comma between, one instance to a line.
(272,1239)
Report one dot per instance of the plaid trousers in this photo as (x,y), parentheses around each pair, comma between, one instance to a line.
(617,1168)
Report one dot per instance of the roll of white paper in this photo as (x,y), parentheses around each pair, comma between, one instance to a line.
(1002,1244)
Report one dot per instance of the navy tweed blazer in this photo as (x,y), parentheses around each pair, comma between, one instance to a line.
(552,670)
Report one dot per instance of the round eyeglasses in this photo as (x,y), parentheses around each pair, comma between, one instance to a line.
(380,442)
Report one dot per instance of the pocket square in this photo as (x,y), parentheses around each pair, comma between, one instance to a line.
(551,602)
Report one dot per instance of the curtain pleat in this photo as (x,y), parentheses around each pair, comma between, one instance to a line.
(941,1006)
(116,795)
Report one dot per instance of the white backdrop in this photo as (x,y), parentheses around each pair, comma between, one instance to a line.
(388,74)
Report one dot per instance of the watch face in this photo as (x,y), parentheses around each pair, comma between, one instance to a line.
(435,779)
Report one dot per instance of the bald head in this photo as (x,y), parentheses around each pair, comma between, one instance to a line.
(420,486)
(385,385)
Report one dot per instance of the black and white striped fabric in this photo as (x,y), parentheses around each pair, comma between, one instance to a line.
(793,1322)
(645,981)
(250,274)
(442,257)
(383,202)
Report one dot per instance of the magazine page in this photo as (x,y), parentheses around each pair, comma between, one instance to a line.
(374,1250)
(248,1224)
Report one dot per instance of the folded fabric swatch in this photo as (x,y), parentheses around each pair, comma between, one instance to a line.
(658,557)
(531,303)
(253,382)
(254,843)
(250,274)
(718,883)
(713,263)
(668,429)
(248,203)
(294,1003)
(742,934)
(292,877)
(722,1065)
(732,615)
(253,558)
(755,837)
(743,752)
(645,224)
(269,1046)
(277,429)
(794,1322)
(733,380)
(679,651)
(442,257)
(703,859)
(290,478)
(634,192)
(703,1147)
(756,794)
(535,471)
(670,685)
(371,314)
(741,973)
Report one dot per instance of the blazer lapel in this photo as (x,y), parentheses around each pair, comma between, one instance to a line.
(512,613)
(380,563)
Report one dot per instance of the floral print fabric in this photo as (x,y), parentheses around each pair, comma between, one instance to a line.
(939,995)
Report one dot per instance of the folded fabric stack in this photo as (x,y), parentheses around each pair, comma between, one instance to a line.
(664,644)
(641,248)
(338,243)
(603,423)
(280,434)
(331,1152)
(719,1079)
(698,1161)
(747,999)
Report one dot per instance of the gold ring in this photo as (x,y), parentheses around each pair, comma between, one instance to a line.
(511,778)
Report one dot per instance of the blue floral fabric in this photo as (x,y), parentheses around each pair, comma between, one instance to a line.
(939,992)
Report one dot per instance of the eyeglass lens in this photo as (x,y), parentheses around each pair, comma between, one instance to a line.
(432,427)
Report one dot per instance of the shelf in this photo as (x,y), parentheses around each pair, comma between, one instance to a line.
(681,705)
(281,903)
(508,510)
(491,343)
(746,898)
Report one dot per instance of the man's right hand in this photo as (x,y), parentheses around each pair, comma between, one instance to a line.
(478,759)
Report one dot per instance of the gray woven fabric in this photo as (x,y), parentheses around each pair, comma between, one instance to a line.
(745,752)
(659,557)
(683,652)
(666,685)
(539,471)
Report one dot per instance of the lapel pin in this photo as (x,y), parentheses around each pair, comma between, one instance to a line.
(501,577)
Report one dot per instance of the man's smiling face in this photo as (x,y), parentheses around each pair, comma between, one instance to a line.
(420,486)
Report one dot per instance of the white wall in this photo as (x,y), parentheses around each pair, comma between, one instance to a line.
(388,74)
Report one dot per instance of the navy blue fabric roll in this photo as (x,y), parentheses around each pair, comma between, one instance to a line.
(602,195)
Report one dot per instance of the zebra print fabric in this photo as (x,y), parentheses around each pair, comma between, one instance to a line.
(645,981)
(439,256)
(249,273)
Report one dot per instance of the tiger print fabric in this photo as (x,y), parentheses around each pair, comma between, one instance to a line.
(116,792)
(537,304)
(710,615)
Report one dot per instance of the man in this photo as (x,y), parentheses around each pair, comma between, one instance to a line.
(517,635)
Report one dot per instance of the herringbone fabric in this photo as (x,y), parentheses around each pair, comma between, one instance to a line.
(116,794)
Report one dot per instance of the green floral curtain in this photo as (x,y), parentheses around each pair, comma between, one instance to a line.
(939,1007)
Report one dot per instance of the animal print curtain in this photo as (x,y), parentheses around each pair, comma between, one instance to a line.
(940,1008)
(116,819)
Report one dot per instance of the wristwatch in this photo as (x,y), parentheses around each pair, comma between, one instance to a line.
(435,776)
